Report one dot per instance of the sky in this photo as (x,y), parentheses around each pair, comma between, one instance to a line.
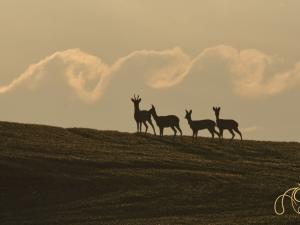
(77,63)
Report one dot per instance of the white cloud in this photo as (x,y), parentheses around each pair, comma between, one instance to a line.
(168,68)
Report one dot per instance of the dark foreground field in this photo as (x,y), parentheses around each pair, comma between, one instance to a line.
(51,176)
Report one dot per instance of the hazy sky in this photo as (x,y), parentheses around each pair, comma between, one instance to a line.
(77,63)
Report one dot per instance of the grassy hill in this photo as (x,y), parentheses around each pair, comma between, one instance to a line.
(51,175)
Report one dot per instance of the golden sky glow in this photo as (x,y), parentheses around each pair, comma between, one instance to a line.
(77,63)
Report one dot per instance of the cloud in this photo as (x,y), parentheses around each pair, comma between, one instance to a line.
(248,70)
(89,76)
(81,68)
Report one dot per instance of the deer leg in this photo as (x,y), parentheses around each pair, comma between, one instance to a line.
(150,121)
(232,133)
(140,127)
(145,124)
(221,133)
(196,135)
(178,128)
(239,132)
(161,131)
(193,135)
(173,128)
(137,127)
(216,132)
(212,133)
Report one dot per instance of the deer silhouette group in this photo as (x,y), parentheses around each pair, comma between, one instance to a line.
(172,121)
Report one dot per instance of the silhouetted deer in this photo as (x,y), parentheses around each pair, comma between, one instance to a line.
(230,125)
(141,116)
(166,121)
(197,125)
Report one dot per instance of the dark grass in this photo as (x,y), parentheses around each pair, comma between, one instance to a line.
(51,175)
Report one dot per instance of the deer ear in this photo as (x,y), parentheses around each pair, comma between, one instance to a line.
(186,111)
(191,111)
(132,99)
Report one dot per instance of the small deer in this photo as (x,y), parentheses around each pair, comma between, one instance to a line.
(166,121)
(230,125)
(197,125)
(141,116)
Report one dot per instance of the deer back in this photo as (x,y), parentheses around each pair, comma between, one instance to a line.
(167,121)
(202,124)
(142,115)
(227,124)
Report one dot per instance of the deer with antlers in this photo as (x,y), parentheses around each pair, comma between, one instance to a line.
(230,125)
(166,121)
(141,116)
(197,125)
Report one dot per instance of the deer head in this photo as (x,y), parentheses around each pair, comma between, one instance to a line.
(136,100)
(152,108)
(217,111)
(188,114)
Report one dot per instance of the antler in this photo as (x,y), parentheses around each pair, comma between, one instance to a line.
(136,98)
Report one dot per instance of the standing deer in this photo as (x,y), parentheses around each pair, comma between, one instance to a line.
(197,125)
(230,125)
(141,116)
(166,121)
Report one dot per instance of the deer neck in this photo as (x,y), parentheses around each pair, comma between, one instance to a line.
(190,121)
(154,114)
(217,119)
(136,108)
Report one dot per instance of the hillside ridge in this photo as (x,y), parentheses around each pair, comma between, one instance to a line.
(52,175)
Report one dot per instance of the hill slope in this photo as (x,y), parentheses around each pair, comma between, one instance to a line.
(51,175)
